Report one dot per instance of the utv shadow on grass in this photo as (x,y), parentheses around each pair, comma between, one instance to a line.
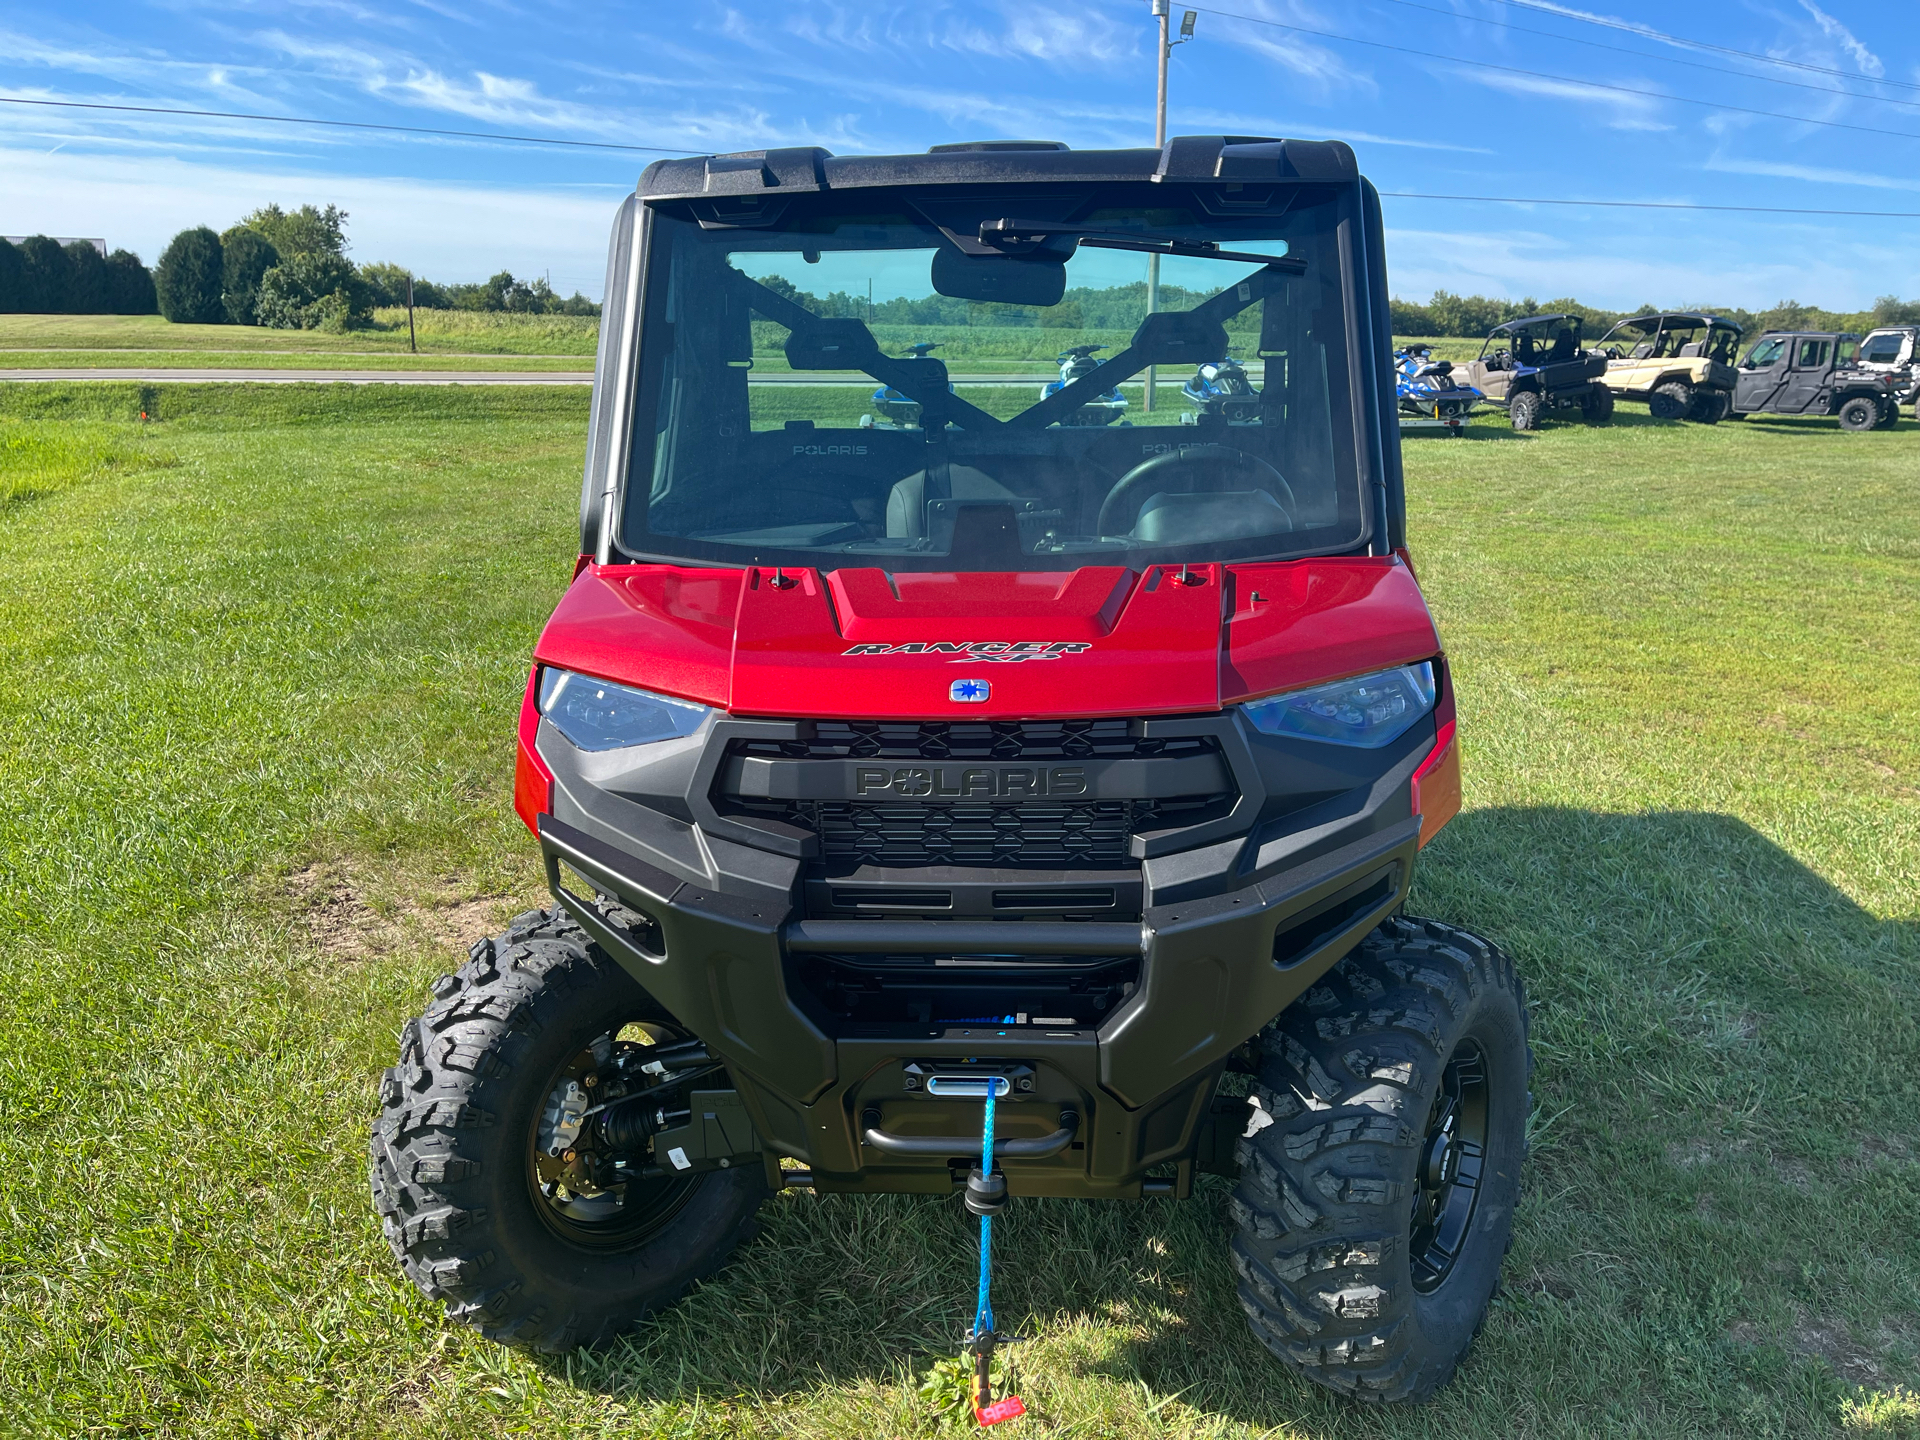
(1733,1215)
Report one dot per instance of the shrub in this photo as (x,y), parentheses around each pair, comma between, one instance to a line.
(187,279)
(47,267)
(246,255)
(86,280)
(306,231)
(386,283)
(313,291)
(13,278)
(129,285)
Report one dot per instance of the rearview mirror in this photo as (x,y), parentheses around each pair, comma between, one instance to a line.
(999,279)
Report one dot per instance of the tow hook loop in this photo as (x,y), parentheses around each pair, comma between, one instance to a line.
(987,1197)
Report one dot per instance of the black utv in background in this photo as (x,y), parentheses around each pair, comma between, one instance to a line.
(1533,365)
(1815,373)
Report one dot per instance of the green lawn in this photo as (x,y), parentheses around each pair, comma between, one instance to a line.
(118,341)
(262,663)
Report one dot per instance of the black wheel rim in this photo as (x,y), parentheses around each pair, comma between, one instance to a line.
(1452,1159)
(618,1216)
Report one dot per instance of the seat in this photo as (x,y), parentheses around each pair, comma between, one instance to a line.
(1642,351)
(1563,347)
(1695,351)
(907,502)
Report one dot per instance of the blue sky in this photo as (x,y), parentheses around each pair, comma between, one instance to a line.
(880,76)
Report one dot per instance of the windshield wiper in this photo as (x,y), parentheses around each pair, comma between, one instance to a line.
(1016,237)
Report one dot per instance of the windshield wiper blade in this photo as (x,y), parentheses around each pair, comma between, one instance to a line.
(1018,236)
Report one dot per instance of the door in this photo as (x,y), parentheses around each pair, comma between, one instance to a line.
(1762,374)
(1807,377)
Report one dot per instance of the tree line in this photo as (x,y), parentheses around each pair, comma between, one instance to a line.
(1121,307)
(288,270)
(40,276)
(1450,314)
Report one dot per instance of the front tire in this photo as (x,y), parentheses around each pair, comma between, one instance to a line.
(1524,411)
(1381,1164)
(461,1185)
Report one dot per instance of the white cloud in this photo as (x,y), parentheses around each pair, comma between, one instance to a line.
(1629,112)
(1819,174)
(448,232)
(1865,59)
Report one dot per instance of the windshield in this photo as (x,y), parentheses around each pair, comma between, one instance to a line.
(869,381)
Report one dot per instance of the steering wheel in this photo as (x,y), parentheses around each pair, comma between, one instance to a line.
(1214,467)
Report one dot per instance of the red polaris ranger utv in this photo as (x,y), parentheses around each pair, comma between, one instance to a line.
(914,739)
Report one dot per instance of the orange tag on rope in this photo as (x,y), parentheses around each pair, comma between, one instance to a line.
(1011,1408)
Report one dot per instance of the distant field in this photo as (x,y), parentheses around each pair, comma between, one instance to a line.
(278,360)
(259,667)
(447,332)
(117,341)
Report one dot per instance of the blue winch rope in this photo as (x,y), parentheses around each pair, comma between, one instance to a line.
(983,1312)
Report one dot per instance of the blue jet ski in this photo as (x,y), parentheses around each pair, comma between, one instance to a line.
(1427,390)
(1102,409)
(1220,387)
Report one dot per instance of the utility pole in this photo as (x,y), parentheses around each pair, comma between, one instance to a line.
(412,347)
(1163,11)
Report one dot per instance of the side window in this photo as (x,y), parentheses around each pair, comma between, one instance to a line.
(1883,350)
(1845,352)
(1813,354)
(1765,354)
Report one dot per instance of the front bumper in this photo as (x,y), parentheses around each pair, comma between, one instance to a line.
(1223,934)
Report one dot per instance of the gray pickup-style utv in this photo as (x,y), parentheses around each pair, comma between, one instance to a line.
(996,752)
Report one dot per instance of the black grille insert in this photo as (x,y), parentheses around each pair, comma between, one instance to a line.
(1032,740)
(1057,836)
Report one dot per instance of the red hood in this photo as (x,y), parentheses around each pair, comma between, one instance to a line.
(1104,640)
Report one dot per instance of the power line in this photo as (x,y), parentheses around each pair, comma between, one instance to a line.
(1661,59)
(671,150)
(1561,79)
(350,125)
(1652,34)
(1653,205)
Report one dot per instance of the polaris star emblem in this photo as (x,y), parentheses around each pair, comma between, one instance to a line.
(965,652)
(969,692)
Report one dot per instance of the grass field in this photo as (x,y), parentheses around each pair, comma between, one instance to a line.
(261,665)
(461,332)
(121,341)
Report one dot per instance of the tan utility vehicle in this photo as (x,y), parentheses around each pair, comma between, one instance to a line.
(1680,364)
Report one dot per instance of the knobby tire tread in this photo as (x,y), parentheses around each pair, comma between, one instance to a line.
(1320,1212)
(437,1137)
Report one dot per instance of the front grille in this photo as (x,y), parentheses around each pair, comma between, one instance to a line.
(1062,836)
(1016,740)
(1056,836)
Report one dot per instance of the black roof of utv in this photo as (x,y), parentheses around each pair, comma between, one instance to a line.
(1226,160)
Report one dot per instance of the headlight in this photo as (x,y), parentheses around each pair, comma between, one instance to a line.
(1368,711)
(600,715)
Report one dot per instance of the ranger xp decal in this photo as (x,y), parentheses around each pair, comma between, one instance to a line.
(1003,651)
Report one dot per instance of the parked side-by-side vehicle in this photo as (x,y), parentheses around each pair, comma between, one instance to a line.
(996,747)
(1531,366)
(1679,364)
(1815,372)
